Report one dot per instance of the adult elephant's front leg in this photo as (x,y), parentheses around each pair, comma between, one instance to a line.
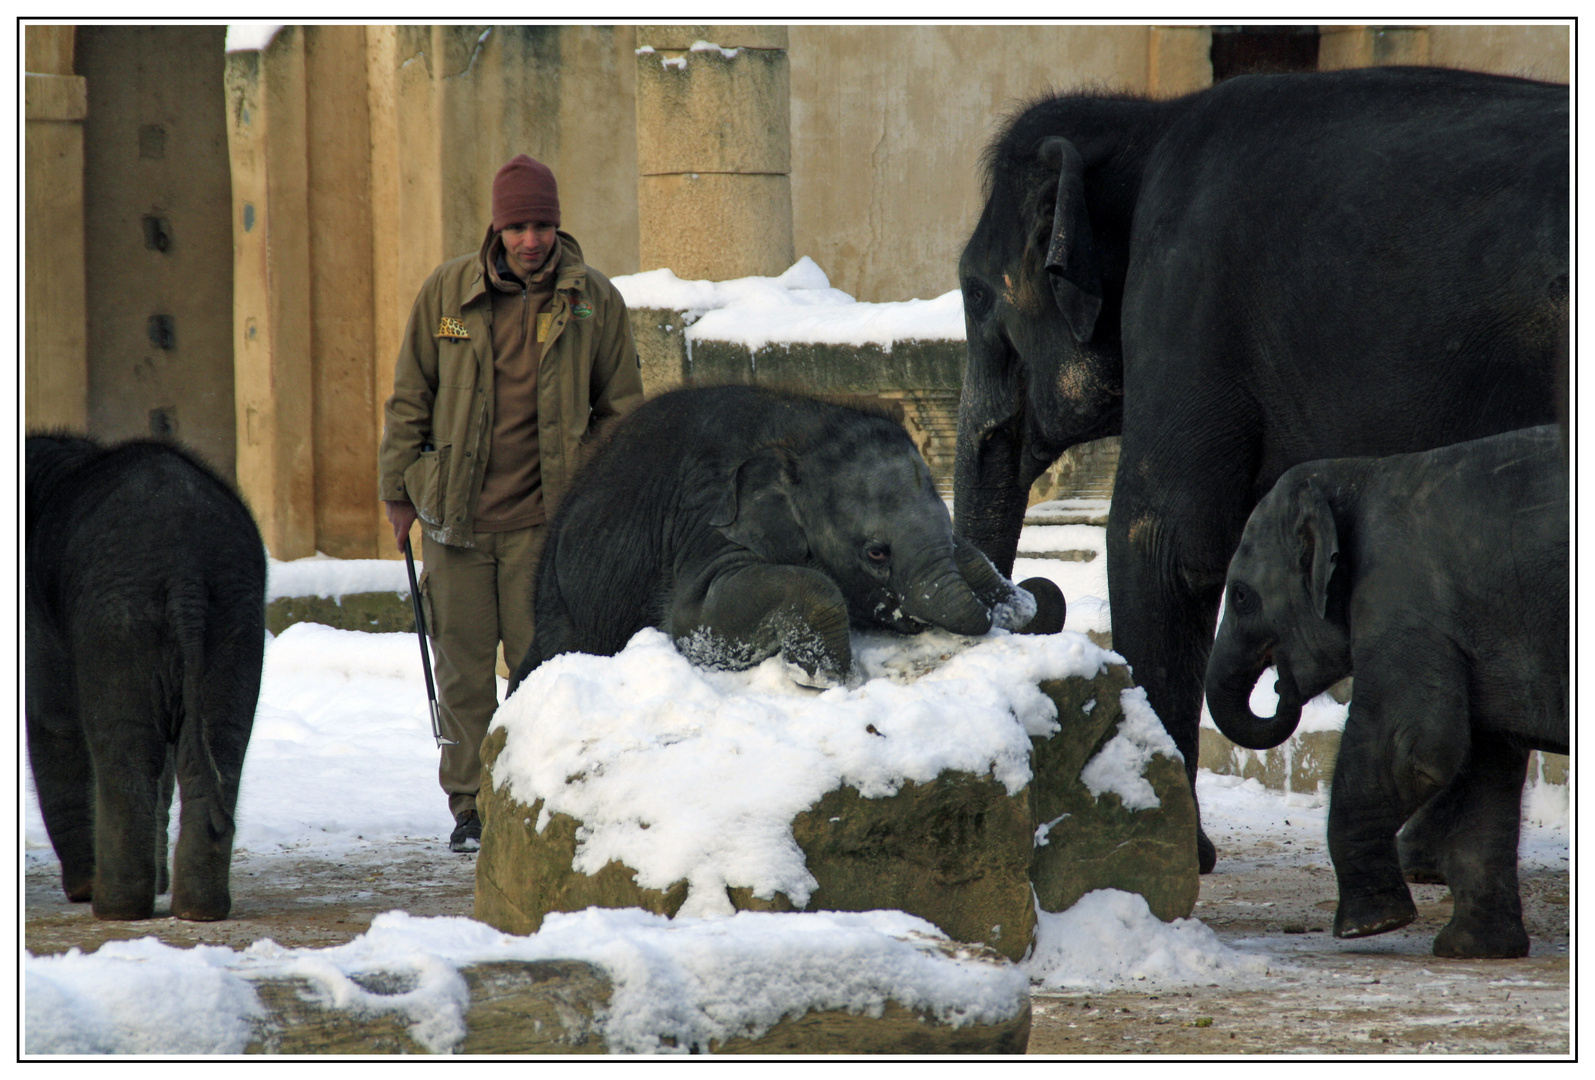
(1164,602)
(753,612)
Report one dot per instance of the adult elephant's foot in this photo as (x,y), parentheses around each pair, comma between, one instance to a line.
(1464,939)
(1206,853)
(1379,913)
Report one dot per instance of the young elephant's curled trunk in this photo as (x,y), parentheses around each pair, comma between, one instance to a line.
(1229,693)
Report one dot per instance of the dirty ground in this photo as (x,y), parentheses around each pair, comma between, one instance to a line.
(1382,995)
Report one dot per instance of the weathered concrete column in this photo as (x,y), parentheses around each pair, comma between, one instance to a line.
(1341,47)
(273,384)
(346,427)
(714,150)
(56,384)
(1179,60)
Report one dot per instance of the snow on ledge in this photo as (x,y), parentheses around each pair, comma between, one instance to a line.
(797,306)
(250,36)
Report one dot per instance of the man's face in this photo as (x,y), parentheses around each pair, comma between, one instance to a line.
(526,246)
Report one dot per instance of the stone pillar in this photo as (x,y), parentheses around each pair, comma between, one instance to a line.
(1341,47)
(406,207)
(714,155)
(1179,60)
(273,383)
(56,383)
(346,424)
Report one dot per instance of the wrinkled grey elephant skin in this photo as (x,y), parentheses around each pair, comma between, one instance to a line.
(146,627)
(745,524)
(1440,581)
(1274,270)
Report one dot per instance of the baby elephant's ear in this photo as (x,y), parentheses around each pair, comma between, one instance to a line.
(757,510)
(1319,542)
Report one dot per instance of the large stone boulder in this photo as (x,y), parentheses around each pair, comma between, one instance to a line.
(1107,807)
(955,851)
(1112,806)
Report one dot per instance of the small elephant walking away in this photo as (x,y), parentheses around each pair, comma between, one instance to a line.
(746,523)
(1440,581)
(145,588)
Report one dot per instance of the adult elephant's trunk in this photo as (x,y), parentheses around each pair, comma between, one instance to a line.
(1232,673)
(993,470)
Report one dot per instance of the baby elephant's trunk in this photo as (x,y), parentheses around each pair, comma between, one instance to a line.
(1230,681)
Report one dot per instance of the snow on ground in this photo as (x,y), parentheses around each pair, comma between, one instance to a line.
(342,759)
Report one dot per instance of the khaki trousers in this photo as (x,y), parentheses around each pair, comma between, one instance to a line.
(475,598)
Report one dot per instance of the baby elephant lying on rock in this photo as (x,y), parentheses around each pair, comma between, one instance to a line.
(1440,580)
(746,523)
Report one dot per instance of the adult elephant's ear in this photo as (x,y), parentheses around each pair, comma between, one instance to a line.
(1318,541)
(757,511)
(1072,263)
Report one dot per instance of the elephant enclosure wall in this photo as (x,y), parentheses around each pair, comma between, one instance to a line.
(304,189)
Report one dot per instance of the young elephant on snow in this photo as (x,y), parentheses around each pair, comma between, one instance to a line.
(745,523)
(1440,580)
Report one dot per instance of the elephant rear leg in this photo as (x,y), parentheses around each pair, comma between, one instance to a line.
(1480,851)
(63,774)
(218,736)
(755,612)
(127,742)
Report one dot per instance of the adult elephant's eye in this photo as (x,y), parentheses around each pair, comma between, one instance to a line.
(977,300)
(878,554)
(1243,598)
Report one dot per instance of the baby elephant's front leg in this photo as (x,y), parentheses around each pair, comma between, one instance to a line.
(754,612)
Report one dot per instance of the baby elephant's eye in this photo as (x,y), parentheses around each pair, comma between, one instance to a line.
(1243,598)
(878,553)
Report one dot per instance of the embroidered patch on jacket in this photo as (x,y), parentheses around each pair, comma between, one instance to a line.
(582,310)
(452,328)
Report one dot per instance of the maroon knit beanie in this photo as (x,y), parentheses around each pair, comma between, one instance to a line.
(524,190)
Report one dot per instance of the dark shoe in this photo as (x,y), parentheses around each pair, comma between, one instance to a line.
(467,834)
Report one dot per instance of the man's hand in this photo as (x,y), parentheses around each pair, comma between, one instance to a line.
(401,515)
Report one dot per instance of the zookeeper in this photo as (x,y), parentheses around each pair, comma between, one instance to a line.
(514,360)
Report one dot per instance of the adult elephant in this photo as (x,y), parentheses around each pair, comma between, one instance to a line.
(747,524)
(1276,269)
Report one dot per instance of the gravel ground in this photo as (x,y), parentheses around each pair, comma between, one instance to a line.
(1273,893)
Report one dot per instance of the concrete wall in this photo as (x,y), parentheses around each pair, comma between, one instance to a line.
(55,101)
(888,123)
(157,191)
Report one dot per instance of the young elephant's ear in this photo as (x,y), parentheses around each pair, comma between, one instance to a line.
(1318,542)
(1072,253)
(757,510)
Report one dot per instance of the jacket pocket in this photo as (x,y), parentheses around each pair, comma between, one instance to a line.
(424,483)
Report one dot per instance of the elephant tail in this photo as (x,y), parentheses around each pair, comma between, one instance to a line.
(187,615)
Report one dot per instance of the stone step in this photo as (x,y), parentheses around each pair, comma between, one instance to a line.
(554,1006)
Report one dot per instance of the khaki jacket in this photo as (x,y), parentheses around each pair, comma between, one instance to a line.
(438,424)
